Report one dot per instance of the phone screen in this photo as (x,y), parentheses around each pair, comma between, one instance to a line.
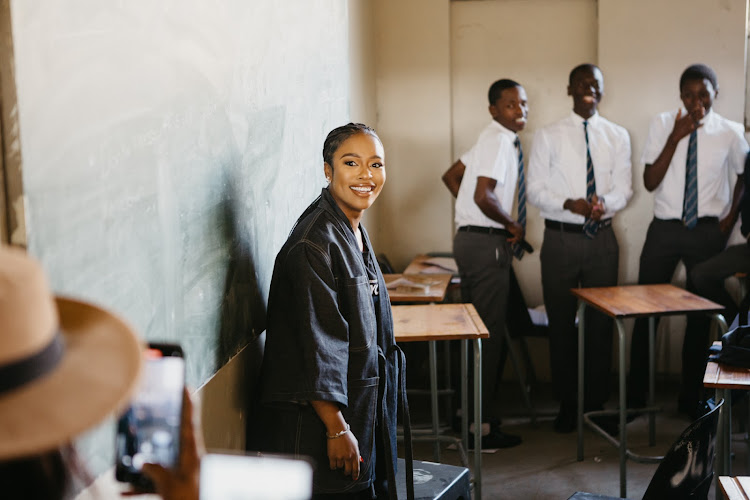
(149,430)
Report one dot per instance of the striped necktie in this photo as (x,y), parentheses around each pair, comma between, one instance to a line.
(517,250)
(690,201)
(590,227)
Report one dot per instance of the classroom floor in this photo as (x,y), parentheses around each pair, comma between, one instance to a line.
(544,466)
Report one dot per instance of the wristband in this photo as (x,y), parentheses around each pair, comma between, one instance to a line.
(339,433)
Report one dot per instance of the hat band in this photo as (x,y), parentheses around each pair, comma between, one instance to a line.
(21,372)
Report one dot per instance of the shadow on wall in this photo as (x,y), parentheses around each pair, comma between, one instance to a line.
(243,314)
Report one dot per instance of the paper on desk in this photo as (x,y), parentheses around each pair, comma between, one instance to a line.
(442,263)
(403,281)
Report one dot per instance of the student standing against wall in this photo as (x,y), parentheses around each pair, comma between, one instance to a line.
(579,177)
(690,156)
(484,182)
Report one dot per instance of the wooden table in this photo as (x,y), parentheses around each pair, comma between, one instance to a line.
(634,301)
(724,378)
(735,488)
(434,322)
(418,266)
(433,287)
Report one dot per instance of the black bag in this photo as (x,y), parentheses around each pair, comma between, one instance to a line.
(735,347)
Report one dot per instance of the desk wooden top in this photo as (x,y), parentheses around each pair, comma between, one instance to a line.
(634,301)
(735,488)
(437,322)
(434,290)
(720,376)
(418,266)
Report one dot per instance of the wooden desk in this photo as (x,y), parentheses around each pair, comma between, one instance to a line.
(434,322)
(724,378)
(437,283)
(735,488)
(635,301)
(418,266)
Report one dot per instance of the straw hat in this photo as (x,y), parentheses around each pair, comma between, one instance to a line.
(59,375)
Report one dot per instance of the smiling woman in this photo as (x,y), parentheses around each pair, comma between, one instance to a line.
(331,364)
(355,171)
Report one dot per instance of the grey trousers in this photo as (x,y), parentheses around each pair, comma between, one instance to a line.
(708,276)
(484,262)
(667,243)
(571,260)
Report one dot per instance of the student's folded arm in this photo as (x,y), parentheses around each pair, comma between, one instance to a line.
(622,179)
(453,176)
(538,180)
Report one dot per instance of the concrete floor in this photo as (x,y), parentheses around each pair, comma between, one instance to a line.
(544,466)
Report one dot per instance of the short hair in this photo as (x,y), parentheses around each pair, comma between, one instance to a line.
(699,72)
(496,89)
(338,135)
(580,68)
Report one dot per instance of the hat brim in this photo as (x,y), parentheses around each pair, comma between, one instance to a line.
(96,377)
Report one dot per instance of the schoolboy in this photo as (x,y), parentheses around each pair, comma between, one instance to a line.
(708,276)
(689,156)
(484,182)
(579,177)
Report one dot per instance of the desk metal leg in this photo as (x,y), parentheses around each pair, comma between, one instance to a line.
(651,379)
(465,393)
(727,434)
(623,409)
(477,419)
(449,411)
(434,400)
(581,309)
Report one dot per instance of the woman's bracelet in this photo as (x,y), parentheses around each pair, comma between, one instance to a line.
(339,433)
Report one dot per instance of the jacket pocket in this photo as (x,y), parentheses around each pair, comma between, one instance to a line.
(360,312)
(360,415)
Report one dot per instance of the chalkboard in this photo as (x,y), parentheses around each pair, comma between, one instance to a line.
(168,147)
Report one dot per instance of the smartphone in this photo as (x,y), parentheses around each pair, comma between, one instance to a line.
(149,430)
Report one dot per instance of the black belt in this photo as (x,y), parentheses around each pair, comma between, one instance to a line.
(701,220)
(572,228)
(486,230)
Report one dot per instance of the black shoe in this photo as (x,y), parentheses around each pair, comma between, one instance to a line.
(496,439)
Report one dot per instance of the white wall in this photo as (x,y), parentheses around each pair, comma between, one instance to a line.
(413,103)
(642,47)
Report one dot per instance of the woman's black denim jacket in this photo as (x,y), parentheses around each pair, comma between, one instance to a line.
(324,342)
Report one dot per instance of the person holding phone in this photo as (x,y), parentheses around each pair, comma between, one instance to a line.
(65,365)
(331,365)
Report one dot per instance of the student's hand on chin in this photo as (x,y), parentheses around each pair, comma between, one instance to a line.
(684,125)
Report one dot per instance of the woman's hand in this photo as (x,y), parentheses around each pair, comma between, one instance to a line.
(343,453)
(181,483)
(343,450)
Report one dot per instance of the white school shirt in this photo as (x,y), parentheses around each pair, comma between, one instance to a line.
(721,151)
(557,166)
(495,156)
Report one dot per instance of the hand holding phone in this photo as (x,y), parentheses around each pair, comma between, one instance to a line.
(149,430)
